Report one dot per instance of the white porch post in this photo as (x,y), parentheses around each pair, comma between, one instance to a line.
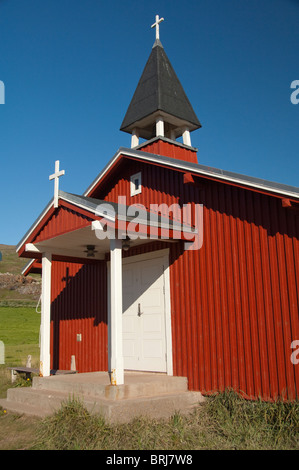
(44,368)
(116,308)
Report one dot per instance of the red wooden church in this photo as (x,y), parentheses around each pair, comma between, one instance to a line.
(221,309)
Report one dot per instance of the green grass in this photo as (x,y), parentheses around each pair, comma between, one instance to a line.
(19,331)
(15,299)
(246,424)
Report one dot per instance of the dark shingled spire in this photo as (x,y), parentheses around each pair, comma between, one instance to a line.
(159,90)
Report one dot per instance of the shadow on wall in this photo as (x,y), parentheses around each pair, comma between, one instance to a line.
(79,307)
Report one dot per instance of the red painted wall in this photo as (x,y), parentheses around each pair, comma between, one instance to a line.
(237,316)
(79,306)
(235,301)
(63,220)
(168,149)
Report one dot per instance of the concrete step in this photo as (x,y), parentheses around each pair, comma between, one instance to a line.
(43,403)
(97,384)
(153,395)
(22,408)
(44,399)
(157,407)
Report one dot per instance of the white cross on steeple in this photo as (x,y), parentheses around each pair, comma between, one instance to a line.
(156,25)
(56,177)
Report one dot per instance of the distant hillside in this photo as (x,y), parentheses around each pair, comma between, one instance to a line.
(11,263)
(15,289)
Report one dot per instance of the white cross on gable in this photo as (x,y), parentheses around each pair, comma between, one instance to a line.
(56,177)
(156,25)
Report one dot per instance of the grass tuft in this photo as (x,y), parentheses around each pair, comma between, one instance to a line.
(224,421)
(72,427)
(246,424)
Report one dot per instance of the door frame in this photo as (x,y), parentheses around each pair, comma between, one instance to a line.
(164,254)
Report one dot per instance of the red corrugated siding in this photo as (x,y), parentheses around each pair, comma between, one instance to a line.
(242,297)
(160,147)
(235,301)
(61,221)
(79,305)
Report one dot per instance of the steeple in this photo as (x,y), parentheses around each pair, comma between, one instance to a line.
(159,106)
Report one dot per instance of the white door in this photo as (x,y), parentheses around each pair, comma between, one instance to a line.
(144,333)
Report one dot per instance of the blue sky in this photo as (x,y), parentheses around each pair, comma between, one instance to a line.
(70,68)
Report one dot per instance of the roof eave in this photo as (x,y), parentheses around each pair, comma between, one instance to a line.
(201,170)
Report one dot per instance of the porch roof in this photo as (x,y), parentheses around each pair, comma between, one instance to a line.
(67,231)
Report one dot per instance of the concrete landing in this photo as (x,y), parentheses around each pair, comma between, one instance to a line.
(153,395)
